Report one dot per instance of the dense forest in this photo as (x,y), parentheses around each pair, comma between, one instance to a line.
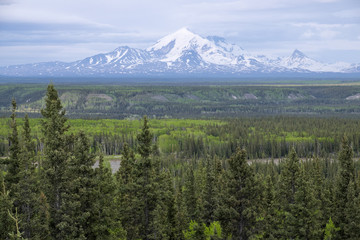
(189,101)
(50,188)
(262,137)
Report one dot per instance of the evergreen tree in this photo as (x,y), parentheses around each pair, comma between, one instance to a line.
(127,201)
(105,223)
(238,215)
(29,190)
(304,217)
(79,196)
(210,193)
(321,191)
(271,210)
(57,148)
(190,196)
(164,213)
(345,176)
(13,163)
(181,219)
(288,180)
(41,222)
(146,181)
(6,205)
(288,184)
(352,214)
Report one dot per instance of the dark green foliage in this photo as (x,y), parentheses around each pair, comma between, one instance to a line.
(352,214)
(288,180)
(79,195)
(164,213)
(33,224)
(238,213)
(127,203)
(57,153)
(53,191)
(271,223)
(181,219)
(304,215)
(146,183)
(6,206)
(231,99)
(104,220)
(144,139)
(210,194)
(342,191)
(191,196)
(13,162)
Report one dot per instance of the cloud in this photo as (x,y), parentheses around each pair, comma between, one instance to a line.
(326,1)
(104,25)
(348,13)
(6,2)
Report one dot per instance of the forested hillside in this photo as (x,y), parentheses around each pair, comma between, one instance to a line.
(189,101)
(178,179)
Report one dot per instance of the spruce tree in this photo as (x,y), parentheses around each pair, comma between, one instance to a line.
(352,214)
(127,201)
(79,196)
(29,188)
(288,180)
(344,178)
(13,162)
(181,219)
(146,180)
(288,185)
(104,221)
(303,218)
(6,206)
(270,227)
(210,193)
(191,196)
(238,214)
(164,212)
(57,148)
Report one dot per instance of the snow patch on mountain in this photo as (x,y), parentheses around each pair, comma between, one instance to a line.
(181,52)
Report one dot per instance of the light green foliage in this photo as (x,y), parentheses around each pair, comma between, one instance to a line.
(195,231)
(330,230)
(213,231)
(191,188)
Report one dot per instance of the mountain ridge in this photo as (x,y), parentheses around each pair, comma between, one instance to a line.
(181,52)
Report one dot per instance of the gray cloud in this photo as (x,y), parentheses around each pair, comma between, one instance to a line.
(39,29)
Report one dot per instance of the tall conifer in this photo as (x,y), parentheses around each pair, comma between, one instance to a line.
(56,154)
(344,178)
(13,163)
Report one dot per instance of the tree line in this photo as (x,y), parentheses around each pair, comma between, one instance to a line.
(56,193)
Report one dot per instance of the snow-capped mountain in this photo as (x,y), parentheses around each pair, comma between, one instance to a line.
(182,52)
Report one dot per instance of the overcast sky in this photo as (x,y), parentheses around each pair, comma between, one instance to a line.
(69,30)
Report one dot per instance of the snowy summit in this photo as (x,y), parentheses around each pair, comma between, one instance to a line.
(182,52)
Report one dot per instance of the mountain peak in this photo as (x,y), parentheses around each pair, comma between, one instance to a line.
(183,30)
(298,54)
(179,52)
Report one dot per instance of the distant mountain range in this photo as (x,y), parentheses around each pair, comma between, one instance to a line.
(181,53)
